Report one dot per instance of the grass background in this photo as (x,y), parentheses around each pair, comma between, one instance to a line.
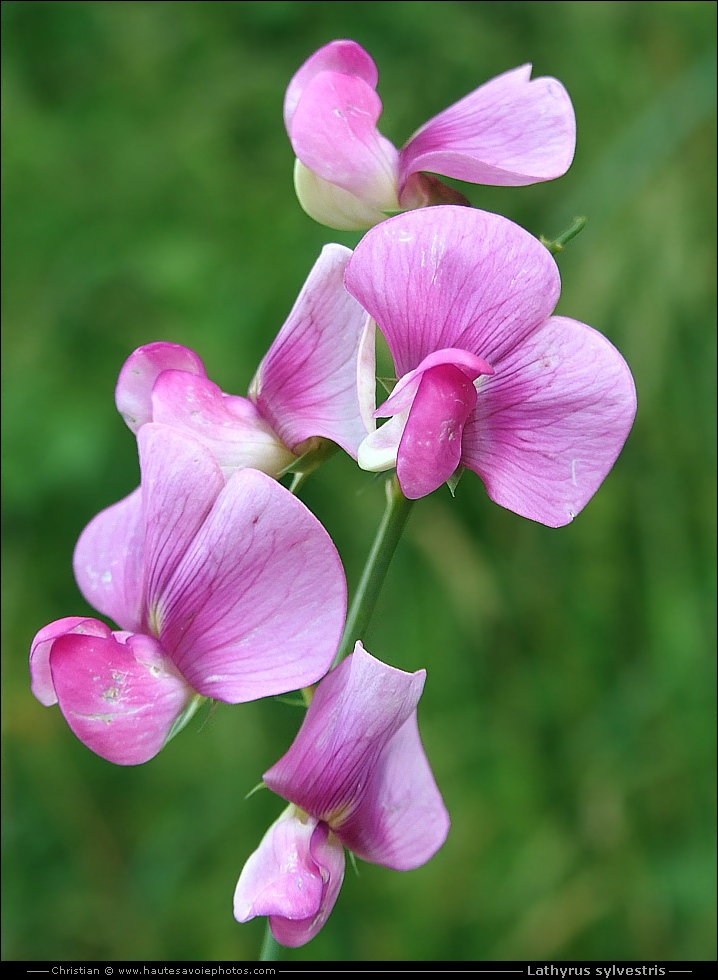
(568,711)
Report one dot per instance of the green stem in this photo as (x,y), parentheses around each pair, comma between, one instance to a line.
(271,950)
(561,241)
(387,537)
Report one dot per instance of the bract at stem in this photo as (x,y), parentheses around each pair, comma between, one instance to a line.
(556,245)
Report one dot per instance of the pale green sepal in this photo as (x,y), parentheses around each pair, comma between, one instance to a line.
(186,716)
(388,384)
(333,206)
(453,481)
(255,790)
(319,451)
(292,702)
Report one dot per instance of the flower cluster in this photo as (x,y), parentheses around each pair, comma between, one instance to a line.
(201,575)
(223,585)
(356,776)
(511,131)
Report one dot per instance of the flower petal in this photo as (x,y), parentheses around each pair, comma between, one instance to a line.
(120,698)
(280,877)
(510,132)
(401,821)
(379,450)
(346,754)
(229,426)
(550,423)
(327,854)
(333,132)
(346,57)
(317,378)
(133,394)
(256,605)
(293,877)
(41,676)
(108,562)
(449,277)
(406,388)
(430,447)
(181,480)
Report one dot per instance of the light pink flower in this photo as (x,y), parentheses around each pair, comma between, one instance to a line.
(317,380)
(511,131)
(227,589)
(356,776)
(537,405)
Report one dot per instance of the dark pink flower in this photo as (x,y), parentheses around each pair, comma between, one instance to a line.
(356,776)
(511,131)
(537,405)
(230,589)
(316,380)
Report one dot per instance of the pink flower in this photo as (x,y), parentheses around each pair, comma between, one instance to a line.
(316,380)
(227,589)
(357,777)
(537,405)
(511,131)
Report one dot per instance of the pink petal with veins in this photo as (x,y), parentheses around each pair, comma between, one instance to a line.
(358,733)
(265,615)
(108,562)
(448,277)
(317,379)
(510,131)
(181,480)
(550,423)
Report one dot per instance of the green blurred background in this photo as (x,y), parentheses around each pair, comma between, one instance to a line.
(568,712)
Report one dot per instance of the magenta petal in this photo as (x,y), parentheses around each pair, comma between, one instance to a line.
(352,745)
(120,698)
(469,364)
(256,606)
(108,562)
(180,483)
(401,821)
(448,277)
(333,132)
(327,854)
(280,877)
(354,712)
(430,448)
(293,877)
(346,57)
(230,426)
(317,378)
(42,685)
(133,394)
(511,131)
(550,423)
